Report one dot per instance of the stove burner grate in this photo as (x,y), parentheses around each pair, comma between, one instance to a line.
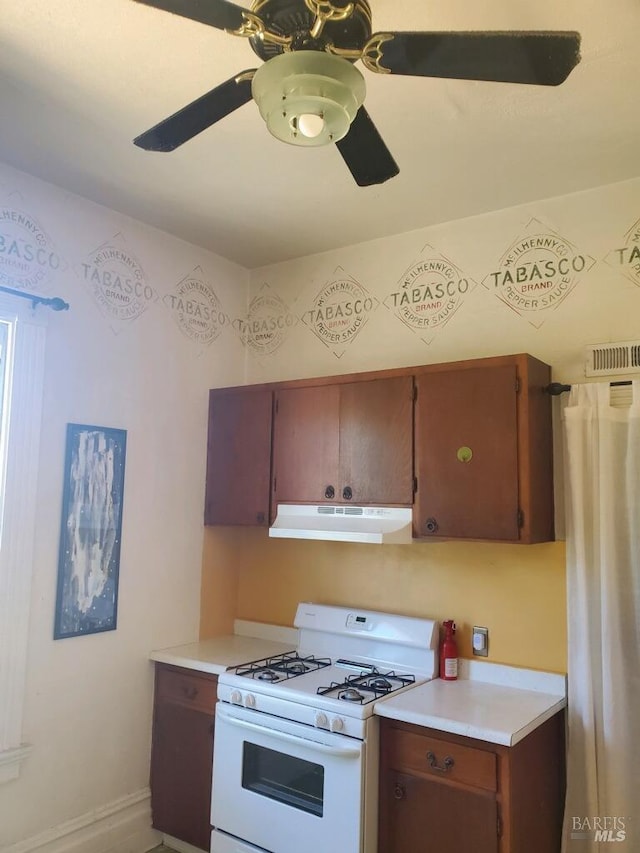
(282,667)
(367,686)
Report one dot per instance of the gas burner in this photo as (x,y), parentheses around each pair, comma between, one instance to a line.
(297,667)
(380,683)
(351,695)
(267,675)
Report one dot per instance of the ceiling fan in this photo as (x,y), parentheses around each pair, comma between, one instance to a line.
(308,89)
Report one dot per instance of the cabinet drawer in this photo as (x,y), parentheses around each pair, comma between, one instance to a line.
(193,690)
(431,757)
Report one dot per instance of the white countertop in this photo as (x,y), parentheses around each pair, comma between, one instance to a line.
(490,702)
(251,641)
(491,710)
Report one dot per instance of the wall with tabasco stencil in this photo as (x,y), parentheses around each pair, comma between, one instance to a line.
(546,278)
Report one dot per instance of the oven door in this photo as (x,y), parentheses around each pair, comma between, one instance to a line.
(285,787)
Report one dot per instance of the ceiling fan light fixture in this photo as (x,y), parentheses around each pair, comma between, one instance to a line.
(308,97)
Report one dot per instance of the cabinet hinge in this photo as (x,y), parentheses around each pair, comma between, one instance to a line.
(520,518)
(517,384)
(415,393)
(415,485)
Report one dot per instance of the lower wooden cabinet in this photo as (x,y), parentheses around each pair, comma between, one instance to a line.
(443,793)
(182,753)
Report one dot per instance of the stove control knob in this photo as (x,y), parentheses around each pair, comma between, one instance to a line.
(250,700)
(337,724)
(236,697)
(322,721)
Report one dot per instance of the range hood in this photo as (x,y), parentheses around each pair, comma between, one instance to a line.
(375,524)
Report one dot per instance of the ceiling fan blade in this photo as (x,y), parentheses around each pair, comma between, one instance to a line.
(216,13)
(363,150)
(542,58)
(199,115)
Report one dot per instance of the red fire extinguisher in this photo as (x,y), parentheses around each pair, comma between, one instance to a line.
(449,652)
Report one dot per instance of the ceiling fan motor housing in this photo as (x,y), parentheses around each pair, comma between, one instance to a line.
(308,83)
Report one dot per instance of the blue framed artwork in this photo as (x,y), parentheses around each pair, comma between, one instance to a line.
(90,532)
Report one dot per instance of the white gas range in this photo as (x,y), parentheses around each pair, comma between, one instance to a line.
(296,740)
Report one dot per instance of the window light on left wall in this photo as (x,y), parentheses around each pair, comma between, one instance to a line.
(22,347)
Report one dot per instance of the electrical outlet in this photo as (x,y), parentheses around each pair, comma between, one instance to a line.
(480,641)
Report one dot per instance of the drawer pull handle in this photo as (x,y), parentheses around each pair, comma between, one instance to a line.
(189,692)
(399,792)
(441,768)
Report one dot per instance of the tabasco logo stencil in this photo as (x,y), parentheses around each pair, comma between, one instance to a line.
(626,257)
(340,312)
(28,259)
(537,272)
(196,309)
(117,282)
(429,293)
(267,323)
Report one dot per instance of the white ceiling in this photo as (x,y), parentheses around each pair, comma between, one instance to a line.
(79,79)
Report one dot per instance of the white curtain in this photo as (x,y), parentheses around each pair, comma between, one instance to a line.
(602,496)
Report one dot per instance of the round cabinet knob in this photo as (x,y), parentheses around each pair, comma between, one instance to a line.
(250,701)
(236,697)
(321,720)
(431,525)
(347,493)
(329,493)
(337,724)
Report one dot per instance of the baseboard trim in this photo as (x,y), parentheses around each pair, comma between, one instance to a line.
(122,826)
(179,846)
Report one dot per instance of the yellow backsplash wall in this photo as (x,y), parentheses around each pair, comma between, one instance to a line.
(518,592)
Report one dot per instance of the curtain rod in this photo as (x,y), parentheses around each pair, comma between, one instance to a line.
(557,388)
(55,303)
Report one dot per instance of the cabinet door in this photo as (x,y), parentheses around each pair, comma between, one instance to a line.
(305,445)
(427,816)
(238,457)
(467,454)
(376,441)
(182,756)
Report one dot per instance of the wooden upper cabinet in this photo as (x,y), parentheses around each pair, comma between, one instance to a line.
(344,443)
(306,444)
(483,452)
(376,440)
(239,456)
(481,431)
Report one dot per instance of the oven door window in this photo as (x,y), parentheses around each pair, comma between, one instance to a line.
(282,777)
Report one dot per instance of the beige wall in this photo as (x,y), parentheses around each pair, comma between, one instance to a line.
(517,591)
(88,699)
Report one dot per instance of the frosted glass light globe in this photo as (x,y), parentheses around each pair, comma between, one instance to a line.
(310,125)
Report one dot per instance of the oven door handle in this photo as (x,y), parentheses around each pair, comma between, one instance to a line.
(335,751)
